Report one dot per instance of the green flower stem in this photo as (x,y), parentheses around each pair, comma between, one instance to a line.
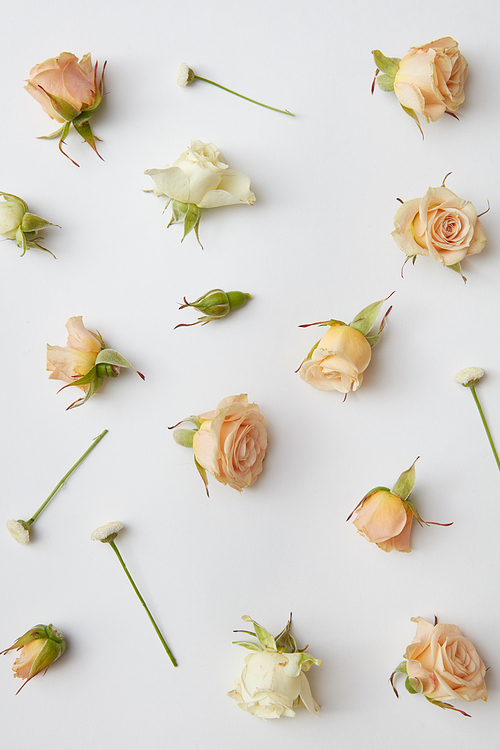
(158,632)
(35,515)
(483,418)
(283,111)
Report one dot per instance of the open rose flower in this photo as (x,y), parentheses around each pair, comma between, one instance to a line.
(428,81)
(338,361)
(441,663)
(273,682)
(441,225)
(199,179)
(385,516)
(85,361)
(39,648)
(69,92)
(230,442)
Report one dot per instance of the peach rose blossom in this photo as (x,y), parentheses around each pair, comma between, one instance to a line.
(67,79)
(445,663)
(430,79)
(231,442)
(39,647)
(441,225)
(339,360)
(385,519)
(78,357)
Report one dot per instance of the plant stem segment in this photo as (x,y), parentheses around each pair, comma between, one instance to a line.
(483,418)
(283,111)
(158,632)
(35,515)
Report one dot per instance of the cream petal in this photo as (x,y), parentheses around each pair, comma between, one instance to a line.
(171,182)
(80,338)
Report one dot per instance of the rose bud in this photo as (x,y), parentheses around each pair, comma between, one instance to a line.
(199,179)
(442,663)
(69,92)
(441,225)
(338,360)
(85,361)
(39,647)
(428,81)
(385,516)
(273,682)
(230,442)
(18,224)
(215,304)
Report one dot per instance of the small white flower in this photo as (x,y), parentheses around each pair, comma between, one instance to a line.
(98,535)
(18,532)
(184,75)
(470,374)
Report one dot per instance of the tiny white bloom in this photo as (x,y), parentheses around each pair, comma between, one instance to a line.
(104,531)
(184,75)
(18,532)
(464,377)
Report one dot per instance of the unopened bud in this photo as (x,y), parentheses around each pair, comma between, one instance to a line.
(215,304)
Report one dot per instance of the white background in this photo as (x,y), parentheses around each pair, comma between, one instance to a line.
(315,245)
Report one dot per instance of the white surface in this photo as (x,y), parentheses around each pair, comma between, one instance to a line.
(316,244)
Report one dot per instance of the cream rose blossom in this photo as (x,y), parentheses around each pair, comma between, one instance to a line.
(273,682)
(19,224)
(440,225)
(199,179)
(230,442)
(441,663)
(338,361)
(428,81)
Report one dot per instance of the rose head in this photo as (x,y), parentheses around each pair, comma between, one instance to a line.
(231,442)
(430,79)
(11,215)
(39,647)
(441,225)
(273,682)
(443,663)
(199,179)
(385,519)
(18,224)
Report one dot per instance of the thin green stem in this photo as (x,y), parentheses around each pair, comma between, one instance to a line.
(35,515)
(483,418)
(283,111)
(158,632)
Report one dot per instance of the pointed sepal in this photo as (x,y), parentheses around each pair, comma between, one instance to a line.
(405,483)
(285,642)
(389,65)
(265,638)
(114,358)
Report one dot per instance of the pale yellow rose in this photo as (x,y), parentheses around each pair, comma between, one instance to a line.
(441,225)
(339,360)
(67,79)
(11,216)
(430,79)
(78,357)
(231,442)
(200,177)
(385,519)
(444,663)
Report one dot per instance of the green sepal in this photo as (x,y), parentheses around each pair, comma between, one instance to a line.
(64,109)
(179,211)
(21,240)
(414,116)
(405,483)
(203,474)
(94,386)
(365,320)
(388,65)
(247,644)
(238,299)
(386,82)
(413,509)
(440,704)
(83,128)
(413,685)
(264,636)
(306,661)
(10,198)
(55,134)
(285,642)
(184,437)
(192,220)
(112,357)
(458,269)
(33,223)
(401,669)
(86,379)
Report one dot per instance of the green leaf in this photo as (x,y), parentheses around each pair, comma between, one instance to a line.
(386,82)
(406,482)
(265,638)
(386,64)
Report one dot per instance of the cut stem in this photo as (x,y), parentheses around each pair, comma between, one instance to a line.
(158,632)
(58,486)
(283,111)
(483,418)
